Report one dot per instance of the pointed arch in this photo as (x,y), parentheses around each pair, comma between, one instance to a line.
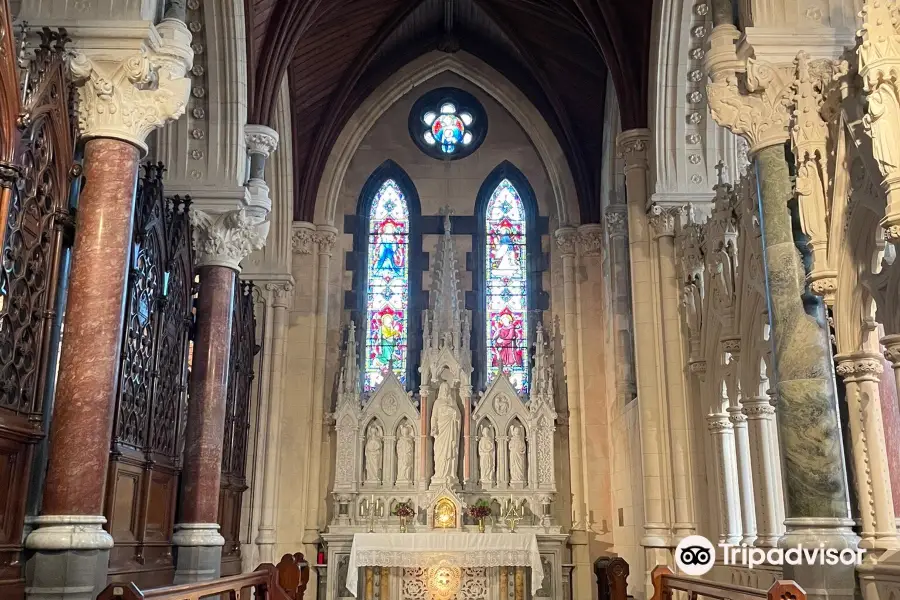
(507,265)
(387,279)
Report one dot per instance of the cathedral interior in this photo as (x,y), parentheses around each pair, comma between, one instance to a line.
(449,299)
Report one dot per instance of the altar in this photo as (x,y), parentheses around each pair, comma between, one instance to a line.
(445,492)
(444,556)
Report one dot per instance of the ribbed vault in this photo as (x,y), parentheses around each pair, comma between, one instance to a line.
(558,52)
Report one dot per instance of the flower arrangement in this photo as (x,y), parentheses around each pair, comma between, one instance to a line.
(404,509)
(480,510)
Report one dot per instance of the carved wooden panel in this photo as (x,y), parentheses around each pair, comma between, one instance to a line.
(145,460)
(237,425)
(36,159)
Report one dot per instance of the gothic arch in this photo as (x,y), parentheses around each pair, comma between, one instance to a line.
(479,73)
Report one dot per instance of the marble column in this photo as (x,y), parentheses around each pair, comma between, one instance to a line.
(808,419)
(862,372)
(634,146)
(662,223)
(766,485)
(68,548)
(221,242)
(265,539)
(567,241)
(722,431)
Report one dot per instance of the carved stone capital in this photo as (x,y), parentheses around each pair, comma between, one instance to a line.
(633,146)
(662,220)
(128,99)
(756,106)
(590,237)
(225,239)
(260,139)
(891,345)
(698,368)
(719,424)
(282,293)
(616,223)
(860,366)
(302,239)
(566,240)
(325,237)
(731,345)
(757,408)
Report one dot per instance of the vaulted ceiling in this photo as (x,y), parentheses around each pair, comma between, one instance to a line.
(558,52)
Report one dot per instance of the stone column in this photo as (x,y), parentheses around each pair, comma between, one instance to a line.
(617,231)
(221,242)
(662,224)
(69,549)
(744,474)
(324,237)
(722,431)
(766,484)
(265,539)
(891,345)
(861,372)
(732,346)
(633,145)
(567,240)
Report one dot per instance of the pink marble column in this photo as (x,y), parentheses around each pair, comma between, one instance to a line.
(890,415)
(88,368)
(69,549)
(208,387)
(197,537)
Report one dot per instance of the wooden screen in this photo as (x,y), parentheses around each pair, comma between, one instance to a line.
(145,459)
(36,160)
(237,426)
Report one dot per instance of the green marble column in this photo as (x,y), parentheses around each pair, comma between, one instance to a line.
(814,472)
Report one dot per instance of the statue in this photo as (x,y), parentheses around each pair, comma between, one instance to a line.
(373,455)
(517,456)
(445,427)
(405,451)
(486,456)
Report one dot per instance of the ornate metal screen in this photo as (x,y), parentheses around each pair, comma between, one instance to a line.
(146,461)
(237,424)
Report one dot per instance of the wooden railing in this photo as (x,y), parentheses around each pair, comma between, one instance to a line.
(665,582)
(286,581)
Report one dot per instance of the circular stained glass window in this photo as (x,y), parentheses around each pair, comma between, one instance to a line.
(447,123)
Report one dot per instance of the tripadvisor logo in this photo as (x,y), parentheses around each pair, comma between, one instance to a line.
(695,556)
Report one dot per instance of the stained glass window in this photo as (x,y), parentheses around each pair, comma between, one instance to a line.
(448,123)
(387,286)
(506,286)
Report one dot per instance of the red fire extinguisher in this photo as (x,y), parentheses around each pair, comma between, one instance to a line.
(320,555)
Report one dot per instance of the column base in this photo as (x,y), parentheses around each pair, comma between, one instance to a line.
(821,581)
(199,552)
(68,557)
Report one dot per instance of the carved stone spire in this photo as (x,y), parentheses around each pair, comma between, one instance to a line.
(542,374)
(445,289)
(348,386)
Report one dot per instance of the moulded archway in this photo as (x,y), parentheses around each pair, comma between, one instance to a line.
(479,73)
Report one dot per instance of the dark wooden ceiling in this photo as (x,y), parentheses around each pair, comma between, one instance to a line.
(558,52)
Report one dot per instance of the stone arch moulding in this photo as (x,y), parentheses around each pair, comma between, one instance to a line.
(467,66)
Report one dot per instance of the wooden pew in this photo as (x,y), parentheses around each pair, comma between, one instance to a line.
(665,582)
(286,581)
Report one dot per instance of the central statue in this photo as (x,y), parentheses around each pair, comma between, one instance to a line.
(445,427)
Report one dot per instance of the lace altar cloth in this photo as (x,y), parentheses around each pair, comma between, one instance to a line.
(420,550)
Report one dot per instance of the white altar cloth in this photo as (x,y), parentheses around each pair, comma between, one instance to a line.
(411,550)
